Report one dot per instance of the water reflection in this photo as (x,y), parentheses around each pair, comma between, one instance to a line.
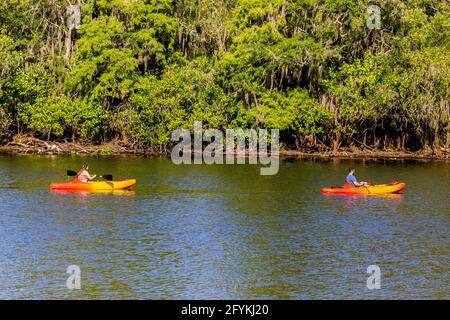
(223,231)
(94,192)
(398,196)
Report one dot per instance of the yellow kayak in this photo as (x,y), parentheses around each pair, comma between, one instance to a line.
(392,187)
(77,185)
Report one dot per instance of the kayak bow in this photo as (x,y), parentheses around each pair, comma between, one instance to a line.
(392,187)
(77,185)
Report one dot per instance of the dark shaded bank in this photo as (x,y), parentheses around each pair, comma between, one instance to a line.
(31,145)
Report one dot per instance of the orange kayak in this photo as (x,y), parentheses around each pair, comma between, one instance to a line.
(392,187)
(77,185)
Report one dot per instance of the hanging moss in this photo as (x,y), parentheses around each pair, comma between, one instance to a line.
(137,70)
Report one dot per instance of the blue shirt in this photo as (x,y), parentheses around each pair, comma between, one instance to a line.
(351,179)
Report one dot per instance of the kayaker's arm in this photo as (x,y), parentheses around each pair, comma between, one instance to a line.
(351,179)
(85,176)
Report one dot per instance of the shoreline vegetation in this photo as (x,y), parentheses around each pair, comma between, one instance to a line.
(33,146)
(108,77)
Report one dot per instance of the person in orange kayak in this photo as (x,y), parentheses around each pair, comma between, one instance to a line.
(83,174)
(351,179)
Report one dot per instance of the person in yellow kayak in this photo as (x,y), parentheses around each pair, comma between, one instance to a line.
(351,179)
(83,174)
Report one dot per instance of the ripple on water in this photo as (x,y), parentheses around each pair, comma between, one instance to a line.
(204,232)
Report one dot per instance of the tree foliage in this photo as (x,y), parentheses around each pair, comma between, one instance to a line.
(136,70)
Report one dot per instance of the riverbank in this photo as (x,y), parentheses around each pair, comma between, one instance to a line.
(371,154)
(29,145)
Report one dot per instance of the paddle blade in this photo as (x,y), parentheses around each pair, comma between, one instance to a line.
(107,177)
(71,173)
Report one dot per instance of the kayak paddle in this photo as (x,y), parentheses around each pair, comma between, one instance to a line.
(368,184)
(71,173)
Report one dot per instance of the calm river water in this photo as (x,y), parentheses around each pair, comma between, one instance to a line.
(223,231)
